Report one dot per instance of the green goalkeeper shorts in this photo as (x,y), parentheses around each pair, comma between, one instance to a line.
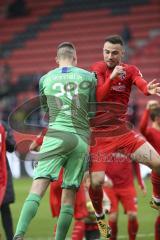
(67,150)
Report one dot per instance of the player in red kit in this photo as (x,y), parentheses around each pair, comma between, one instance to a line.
(110,130)
(152,135)
(80,211)
(120,171)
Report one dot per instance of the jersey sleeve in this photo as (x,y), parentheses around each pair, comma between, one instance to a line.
(139,81)
(103,83)
(144,122)
(100,69)
(103,89)
(43,98)
(92,97)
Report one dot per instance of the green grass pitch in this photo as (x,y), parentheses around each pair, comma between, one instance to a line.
(42,226)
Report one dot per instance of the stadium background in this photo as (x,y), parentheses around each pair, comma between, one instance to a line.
(29,33)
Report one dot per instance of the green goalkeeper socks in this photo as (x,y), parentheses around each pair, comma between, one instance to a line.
(64,221)
(28,211)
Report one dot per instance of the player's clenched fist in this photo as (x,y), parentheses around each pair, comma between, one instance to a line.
(118,70)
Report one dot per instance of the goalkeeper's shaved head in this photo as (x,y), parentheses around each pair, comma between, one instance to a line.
(66,50)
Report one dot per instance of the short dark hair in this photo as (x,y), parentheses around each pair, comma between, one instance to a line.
(155,113)
(114,39)
(66,44)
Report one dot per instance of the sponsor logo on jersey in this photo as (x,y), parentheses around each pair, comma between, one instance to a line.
(122,76)
(119,88)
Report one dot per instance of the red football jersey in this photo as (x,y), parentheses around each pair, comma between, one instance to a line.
(113,95)
(117,90)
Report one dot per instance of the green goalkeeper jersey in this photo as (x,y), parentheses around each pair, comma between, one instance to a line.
(65,94)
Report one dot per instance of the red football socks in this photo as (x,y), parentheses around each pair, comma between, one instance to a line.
(78,230)
(114,228)
(96,196)
(132,228)
(155,178)
(157,228)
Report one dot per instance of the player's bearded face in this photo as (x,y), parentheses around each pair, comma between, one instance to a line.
(112,54)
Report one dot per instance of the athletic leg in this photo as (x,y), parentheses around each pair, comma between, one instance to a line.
(147,155)
(113,223)
(157,228)
(74,168)
(7,221)
(96,191)
(30,206)
(80,213)
(66,213)
(132,225)
(113,212)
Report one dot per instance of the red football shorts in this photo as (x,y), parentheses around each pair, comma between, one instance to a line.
(126,196)
(102,147)
(80,210)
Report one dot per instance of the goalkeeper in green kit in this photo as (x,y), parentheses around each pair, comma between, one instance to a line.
(65,94)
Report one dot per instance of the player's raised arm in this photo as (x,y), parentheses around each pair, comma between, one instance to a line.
(100,70)
(103,89)
(103,83)
(150,88)
(138,80)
